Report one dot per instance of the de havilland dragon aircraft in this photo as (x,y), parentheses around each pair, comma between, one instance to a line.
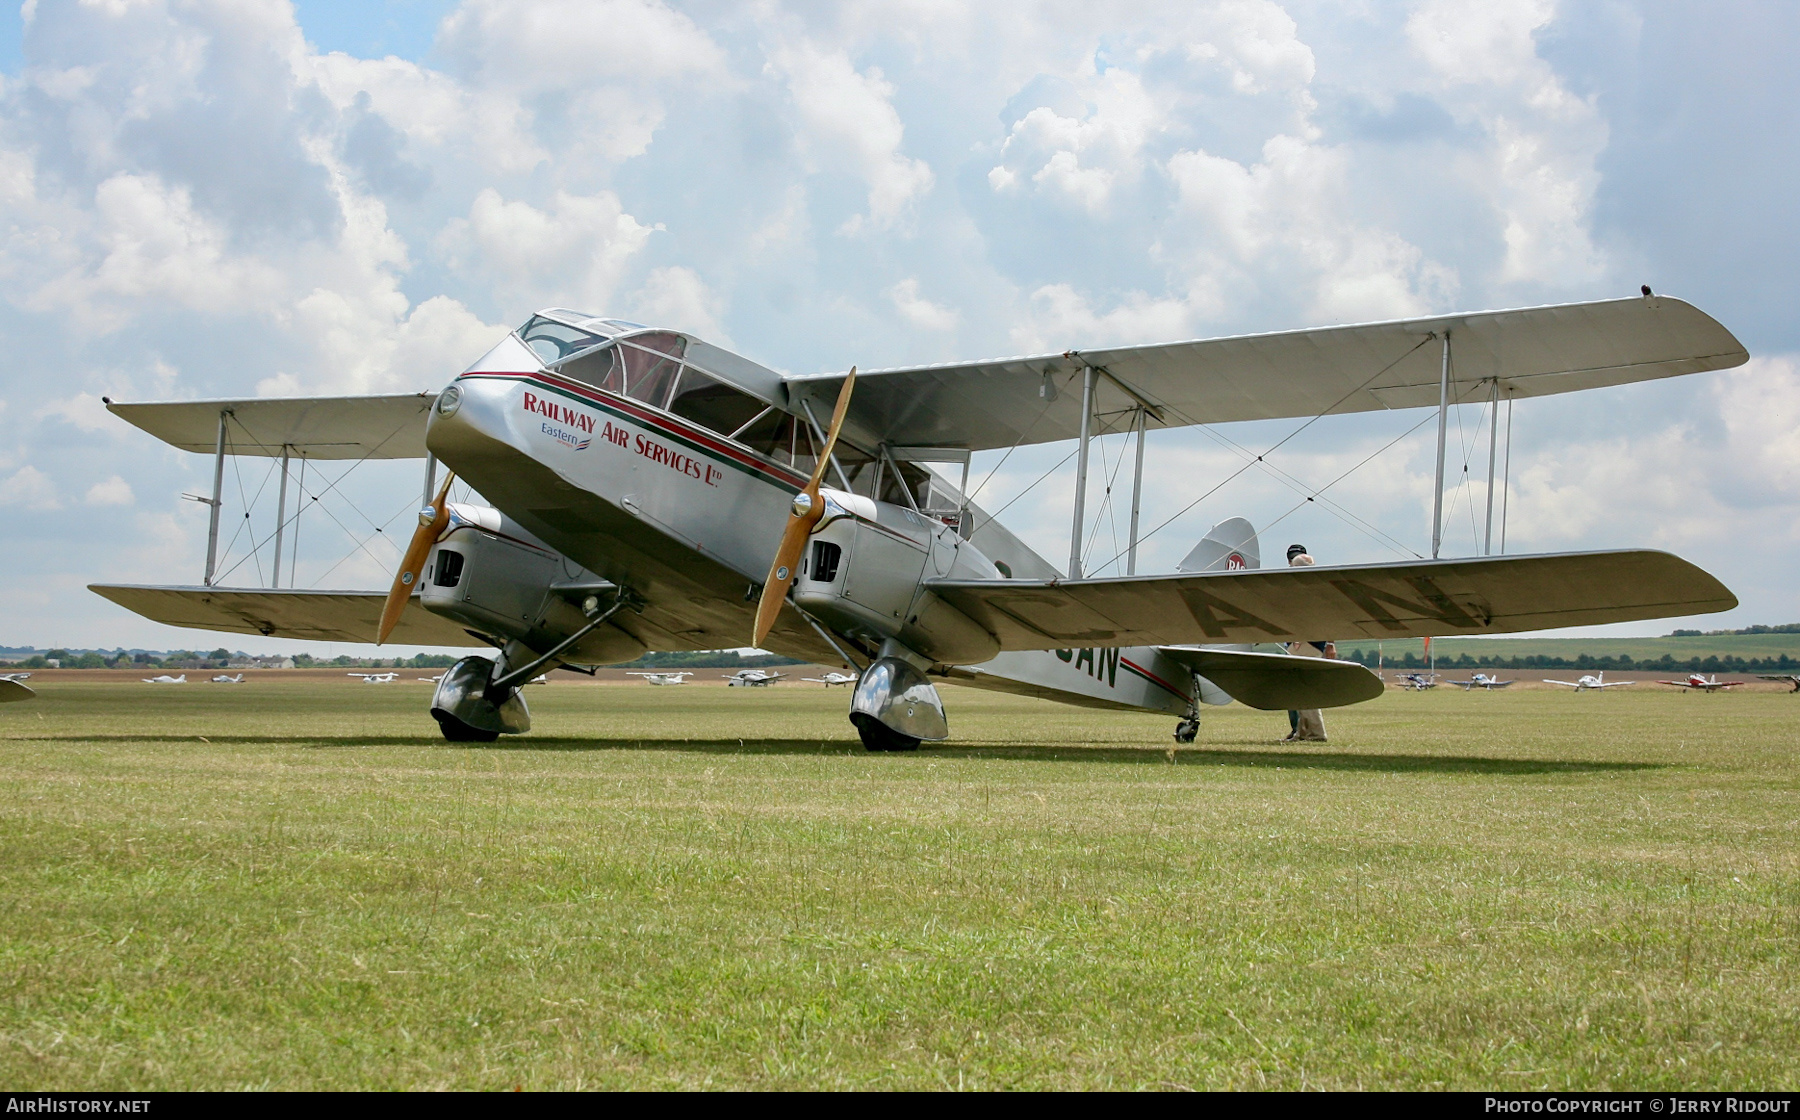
(649,491)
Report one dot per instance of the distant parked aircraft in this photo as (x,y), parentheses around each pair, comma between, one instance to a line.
(1595,682)
(830,679)
(1416,682)
(222,679)
(376,678)
(752,678)
(432,680)
(1482,680)
(1793,679)
(662,678)
(166,679)
(15,676)
(1699,683)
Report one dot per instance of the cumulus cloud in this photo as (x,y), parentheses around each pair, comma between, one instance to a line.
(848,120)
(31,489)
(113,491)
(572,251)
(918,310)
(1539,169)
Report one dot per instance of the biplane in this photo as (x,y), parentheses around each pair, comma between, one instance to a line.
(645,490)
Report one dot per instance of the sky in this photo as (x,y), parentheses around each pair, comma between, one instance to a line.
(216,199)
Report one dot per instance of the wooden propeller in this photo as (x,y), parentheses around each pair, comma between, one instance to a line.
(805,513)
(431,522)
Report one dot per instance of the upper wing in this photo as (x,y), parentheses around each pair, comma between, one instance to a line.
(323,616)
(1533,352)
(384,427)
(1495,595)
(1274,681)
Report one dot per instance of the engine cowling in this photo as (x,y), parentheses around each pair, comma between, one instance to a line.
(492,576)
(863,572)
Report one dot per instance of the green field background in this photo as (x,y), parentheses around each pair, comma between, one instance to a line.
(295,884)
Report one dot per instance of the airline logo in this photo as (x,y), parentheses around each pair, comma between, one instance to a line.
(1235,563)
(570,427)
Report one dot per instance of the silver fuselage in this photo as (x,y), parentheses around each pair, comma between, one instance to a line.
(598,486)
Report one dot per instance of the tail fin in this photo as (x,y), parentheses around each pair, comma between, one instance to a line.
(1227,547)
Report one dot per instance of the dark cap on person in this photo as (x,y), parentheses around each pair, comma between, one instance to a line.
(1295,550)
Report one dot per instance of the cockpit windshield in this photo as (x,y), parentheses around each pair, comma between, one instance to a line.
(552,341)
(557,332)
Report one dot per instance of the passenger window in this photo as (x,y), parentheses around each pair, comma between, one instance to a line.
(652,362)
(712,403)
(601,369)
(778,435)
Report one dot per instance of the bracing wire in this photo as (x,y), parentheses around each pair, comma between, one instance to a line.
(1281,475)
(1364,462)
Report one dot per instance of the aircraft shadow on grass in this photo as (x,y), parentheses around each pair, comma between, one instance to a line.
(1141,756)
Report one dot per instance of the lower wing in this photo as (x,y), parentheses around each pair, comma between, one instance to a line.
(322,616)
(1492,595)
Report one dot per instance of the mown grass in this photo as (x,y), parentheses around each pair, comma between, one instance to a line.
(295,885)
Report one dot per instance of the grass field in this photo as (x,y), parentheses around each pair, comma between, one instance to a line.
(296,885)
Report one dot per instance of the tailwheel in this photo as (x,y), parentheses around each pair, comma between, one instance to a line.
(456,731)
(1186,730)
(877,736)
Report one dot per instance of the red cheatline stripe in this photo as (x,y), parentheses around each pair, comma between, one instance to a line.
(1152,677)
(657,421)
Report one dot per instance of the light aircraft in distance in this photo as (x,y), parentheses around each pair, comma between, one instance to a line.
(1416,682)
(222,679)
(662,678)
(830,679)
(752,678)
(376,678)
(165,678)
(1482,680)
(13,688)
(1790,678)
(1590,682)
(642,489)
(1696,682)
(432,680)
(15,676)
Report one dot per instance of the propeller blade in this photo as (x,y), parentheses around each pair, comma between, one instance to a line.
(806,511)
(407,578)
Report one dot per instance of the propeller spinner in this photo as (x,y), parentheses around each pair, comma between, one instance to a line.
(432,519)
(808,507)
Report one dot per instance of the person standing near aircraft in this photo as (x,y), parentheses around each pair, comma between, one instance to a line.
(1306,725)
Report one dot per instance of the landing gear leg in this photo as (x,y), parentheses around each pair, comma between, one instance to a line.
(1189,727)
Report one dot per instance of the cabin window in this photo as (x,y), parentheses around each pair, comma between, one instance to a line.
(552,341)
(449,567)
(825,559)
(600,368)
(711,403)
(652,363)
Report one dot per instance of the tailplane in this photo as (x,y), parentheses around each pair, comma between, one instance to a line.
(1229,546)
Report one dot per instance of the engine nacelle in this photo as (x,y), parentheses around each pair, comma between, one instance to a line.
(492,576)
(862,571)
